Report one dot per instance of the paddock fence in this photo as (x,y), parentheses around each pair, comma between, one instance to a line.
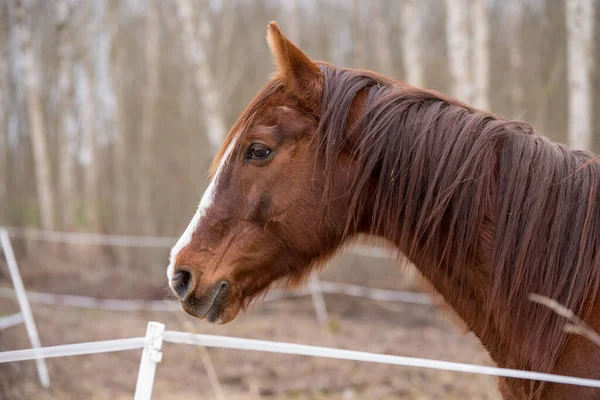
(151,345)
(158,242)
(315,288)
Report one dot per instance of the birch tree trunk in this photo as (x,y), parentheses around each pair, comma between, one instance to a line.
(228,25)
(148,117)
(91,77)
(293,21)
(4,121)
(481,55)
(35,116)
(205,80)
(16,108)
(358,45)
(111,90)
(3,138)
(411,43)
(3,167)
(67,124)
(459,43)
(580,25)
(381,45)
(87,117)
(515,18)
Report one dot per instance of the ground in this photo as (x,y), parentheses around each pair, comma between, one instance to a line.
(356,323)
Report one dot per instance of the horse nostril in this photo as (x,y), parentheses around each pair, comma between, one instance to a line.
(181,282)
(224,285)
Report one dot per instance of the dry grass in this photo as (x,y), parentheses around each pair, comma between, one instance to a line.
(575,325)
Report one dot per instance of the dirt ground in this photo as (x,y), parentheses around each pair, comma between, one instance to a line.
(357,324)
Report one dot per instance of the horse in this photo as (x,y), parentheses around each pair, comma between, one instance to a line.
(486,209)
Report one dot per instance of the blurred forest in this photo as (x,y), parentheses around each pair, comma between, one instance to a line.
(110,110)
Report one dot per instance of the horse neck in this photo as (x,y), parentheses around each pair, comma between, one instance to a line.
(429,176)
(429,192)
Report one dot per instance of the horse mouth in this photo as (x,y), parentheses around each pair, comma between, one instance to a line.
(210,305)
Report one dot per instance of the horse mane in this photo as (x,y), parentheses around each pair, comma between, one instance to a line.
(472,198)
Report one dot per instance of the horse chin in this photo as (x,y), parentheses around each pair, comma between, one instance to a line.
(220,311)
(226,314)
(219,316)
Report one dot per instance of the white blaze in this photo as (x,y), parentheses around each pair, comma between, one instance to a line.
(207,199)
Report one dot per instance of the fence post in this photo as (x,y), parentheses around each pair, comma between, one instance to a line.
(151,355)
(15,276)
(318,300)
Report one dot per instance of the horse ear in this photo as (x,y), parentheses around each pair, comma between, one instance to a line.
(296,70)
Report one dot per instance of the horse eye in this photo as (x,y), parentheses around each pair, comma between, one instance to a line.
(258,152)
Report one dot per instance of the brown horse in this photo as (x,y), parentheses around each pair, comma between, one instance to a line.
(486,210)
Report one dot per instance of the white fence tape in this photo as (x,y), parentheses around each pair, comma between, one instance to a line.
(94,303)
(96,239)
(318,351)
(375,294)
(100,239)
(77,349)
(170,305)
(11,320)
(167,242)
(375,252)
(152,345)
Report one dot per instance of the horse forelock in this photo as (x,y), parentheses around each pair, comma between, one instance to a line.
(472,198)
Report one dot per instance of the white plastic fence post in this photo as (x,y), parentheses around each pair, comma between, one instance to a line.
(151,355)
(318,300)
(15,275)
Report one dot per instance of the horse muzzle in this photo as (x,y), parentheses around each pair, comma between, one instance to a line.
(209,304)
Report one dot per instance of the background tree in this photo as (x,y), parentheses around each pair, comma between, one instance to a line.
(481,54)
(20,27)
(458,36)
(515,21)
(381,48)
(133,98)
(4,107)
(358,45)
(149,111)
(411,46)
(580,27)
(195,39)
(67,126)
